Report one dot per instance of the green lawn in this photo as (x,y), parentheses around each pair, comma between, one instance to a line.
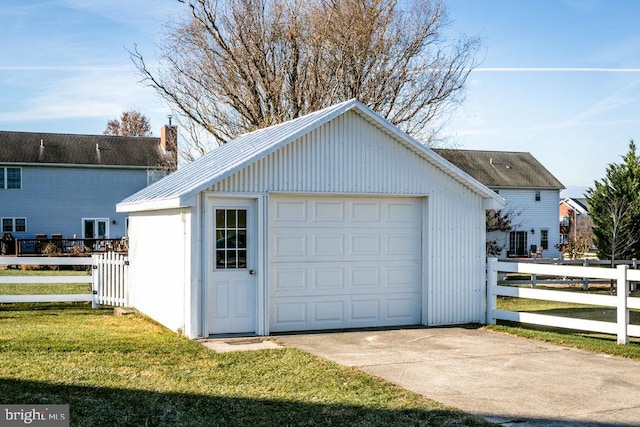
(131,371)
(43,288)
(602,343)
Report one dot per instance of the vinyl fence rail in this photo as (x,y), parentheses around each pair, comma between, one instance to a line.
(585,281)
(622,302)
(108,279)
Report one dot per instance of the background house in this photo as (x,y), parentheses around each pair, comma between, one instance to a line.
(573,213)
(69,184)
(336,219)
(531,193)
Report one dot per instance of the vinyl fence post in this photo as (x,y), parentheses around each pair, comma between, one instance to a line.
(95,283)
(492,281)
(622,292)
(585,280)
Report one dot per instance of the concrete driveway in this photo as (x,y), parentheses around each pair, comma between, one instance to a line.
(508,380)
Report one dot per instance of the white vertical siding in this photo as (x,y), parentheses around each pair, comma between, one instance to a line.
(350,156)
(543,214)
(347,155)
(157,272)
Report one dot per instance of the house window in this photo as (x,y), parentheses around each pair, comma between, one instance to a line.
(10,178)
(537,195)
(11,225)
(544,238)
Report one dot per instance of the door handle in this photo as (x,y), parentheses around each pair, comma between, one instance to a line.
(252,272)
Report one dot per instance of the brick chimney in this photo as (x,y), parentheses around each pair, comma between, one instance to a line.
(169,144)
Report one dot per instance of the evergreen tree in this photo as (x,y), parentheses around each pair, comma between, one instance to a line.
(614,207)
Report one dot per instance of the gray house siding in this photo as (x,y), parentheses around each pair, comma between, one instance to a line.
(56,199)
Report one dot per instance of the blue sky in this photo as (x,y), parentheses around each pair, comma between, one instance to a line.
(558,78)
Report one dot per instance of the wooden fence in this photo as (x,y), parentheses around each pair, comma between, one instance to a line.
(108,279)
(622,302)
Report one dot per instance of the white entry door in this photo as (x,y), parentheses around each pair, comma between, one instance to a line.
(231,291)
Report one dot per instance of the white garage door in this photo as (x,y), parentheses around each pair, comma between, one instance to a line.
(337,262)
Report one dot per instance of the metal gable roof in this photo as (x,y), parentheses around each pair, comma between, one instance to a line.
(179,188)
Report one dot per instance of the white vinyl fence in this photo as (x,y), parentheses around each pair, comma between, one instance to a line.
(622,302)
(108,279)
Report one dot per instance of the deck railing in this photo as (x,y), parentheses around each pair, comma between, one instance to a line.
(53,246)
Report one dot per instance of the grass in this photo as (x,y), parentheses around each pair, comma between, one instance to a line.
(43,288)
(601,343)
(131,371)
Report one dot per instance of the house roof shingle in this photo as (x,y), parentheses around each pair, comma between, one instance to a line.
(502,169)
(68,149)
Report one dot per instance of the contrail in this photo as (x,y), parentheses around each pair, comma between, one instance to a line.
(556,70)
(64,67)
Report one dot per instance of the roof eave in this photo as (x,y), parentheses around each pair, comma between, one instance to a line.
(150,205)
(528,187)
(79,165)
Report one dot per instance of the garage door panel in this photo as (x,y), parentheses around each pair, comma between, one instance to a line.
(290,211)
(290,280)
(329,279)
(328,245)
(366,245)
(328,211)
(349,312)
(402,213)
(287,245)
(334,211)
(314,279)
(365,278)
(289,316)
(332,244)
(402,309)
(339,262)
(365,310)
(328,311)
(365,212)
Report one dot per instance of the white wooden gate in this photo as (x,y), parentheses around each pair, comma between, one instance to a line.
(109,277)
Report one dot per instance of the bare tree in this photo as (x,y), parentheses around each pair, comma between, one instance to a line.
(498,224)
(131,123)
(235,66)
(620,232)
(581,238)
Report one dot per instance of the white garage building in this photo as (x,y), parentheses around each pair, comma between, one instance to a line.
(334,220)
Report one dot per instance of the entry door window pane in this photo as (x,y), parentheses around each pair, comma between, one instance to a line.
(231,239)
